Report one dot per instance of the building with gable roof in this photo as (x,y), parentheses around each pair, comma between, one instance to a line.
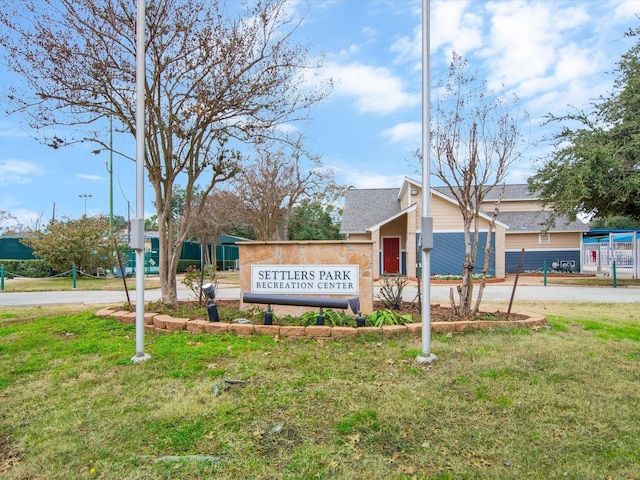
(391,218)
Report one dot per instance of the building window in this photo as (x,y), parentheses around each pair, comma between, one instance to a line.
(544,239)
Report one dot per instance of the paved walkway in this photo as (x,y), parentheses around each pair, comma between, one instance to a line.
(526,290)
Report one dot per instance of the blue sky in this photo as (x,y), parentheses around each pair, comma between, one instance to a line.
(551,53)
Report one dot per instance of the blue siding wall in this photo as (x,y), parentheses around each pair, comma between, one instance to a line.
(447,255)
(534,260)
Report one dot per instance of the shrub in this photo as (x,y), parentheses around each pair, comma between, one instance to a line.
(194,278)
(390,293)
(388,317)
(27,268)
(183,265)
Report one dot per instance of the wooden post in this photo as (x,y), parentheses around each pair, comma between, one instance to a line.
(515,281)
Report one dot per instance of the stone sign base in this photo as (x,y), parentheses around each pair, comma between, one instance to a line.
(316,253)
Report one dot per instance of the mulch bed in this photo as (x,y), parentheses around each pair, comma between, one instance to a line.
(439,313)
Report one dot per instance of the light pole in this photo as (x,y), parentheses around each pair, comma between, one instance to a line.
(85,196)
(426,222)
(109,164)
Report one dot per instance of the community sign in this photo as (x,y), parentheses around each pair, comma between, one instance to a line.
(305,279)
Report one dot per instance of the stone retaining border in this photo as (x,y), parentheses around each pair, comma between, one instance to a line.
(155,322)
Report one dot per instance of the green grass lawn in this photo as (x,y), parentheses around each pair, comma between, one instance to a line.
(599,281)
(559,402)
(92,283)
(82,283)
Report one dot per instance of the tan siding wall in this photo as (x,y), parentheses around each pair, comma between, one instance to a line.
(447,216)
(404,199)
(355,237)
(513,206)
(411,244)
(531,241)
(499,252)
(418,201)
(396,228)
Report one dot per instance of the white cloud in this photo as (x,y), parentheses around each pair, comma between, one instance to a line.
(349,52)
(9,130)
(521,45)
(375,89)
(408,133)
(18,171)
(364,178)
(625,9)
(374,180)
(86,176)
(454,28)
(409,49)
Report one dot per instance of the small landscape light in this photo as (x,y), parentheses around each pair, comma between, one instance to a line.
(354,304)
(212,309)
(268,316)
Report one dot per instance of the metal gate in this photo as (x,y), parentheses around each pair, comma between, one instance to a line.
(598,254)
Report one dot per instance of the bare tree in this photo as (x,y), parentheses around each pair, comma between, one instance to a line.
(222,211)
(475,137)
(211,81)
(7,222)
(274,181)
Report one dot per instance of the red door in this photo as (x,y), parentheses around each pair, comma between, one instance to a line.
(391,255)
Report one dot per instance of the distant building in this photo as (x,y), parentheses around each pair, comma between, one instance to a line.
(391,218)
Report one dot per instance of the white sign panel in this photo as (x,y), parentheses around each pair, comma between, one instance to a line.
(305,279)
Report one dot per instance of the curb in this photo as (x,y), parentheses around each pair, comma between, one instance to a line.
(166,324)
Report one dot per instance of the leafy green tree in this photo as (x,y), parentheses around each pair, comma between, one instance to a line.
(594,166)
(151,224)
(614,222)
(312,221)
(84,242)
(119,223)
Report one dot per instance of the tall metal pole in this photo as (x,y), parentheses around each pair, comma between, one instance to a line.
(111,175)
(137,227)
(85,196)
(426,224)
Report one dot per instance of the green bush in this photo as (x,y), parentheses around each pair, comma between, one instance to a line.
(388,317)
(183,265)
(27,268)
(226,265)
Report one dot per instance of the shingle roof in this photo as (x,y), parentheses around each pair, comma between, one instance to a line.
(366,207)
(535,222)
(518,191)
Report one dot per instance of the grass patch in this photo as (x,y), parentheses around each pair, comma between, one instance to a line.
(599,281)
(82,283)
(561,402)
(92,284)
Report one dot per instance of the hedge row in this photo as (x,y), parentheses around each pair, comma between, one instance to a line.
(26,268)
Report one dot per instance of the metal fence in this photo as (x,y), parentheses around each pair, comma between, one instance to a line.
(598,254)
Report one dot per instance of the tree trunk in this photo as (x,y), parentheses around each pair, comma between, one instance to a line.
(466,289)
(167,254)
